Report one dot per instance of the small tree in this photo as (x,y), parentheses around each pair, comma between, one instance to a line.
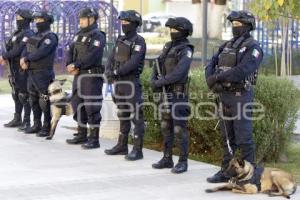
(282,11)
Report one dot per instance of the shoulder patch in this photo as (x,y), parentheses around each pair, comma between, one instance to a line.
(96,43)
(255,53)
(75,38)
(189,54)
(137,48)
(14,38)
(243,49)
(83,39)
(47,41)
(25,39)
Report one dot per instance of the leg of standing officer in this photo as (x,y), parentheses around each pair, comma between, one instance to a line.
(37,112)
(168,140)
(80,117)
(121,148)
(243,127)
(91,93)
(181,113)
(43,79)
(17,120)
(24,99)
(137,118)
(23,96)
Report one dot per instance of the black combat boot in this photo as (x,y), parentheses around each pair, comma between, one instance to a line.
(37,125)
(15,122)
(121,148)
(136,153)
(25,125)
(181,166)
(80,138)
(165,162)
(45,131)
(93,139)
(219,177)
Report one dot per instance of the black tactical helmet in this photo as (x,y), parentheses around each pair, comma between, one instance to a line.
(131,16)
(180,24)
(88,12)
(244,17)
(45,15)
(26,14)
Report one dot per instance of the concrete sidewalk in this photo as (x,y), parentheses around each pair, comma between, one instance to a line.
(32,168)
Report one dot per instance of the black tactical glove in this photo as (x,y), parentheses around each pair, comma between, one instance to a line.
(211,81)
(217,88)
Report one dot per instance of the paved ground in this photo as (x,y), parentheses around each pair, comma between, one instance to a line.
(32,168)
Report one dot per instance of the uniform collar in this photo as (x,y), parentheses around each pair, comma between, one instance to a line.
(246,35)
(130,35)
(178,42)
(43,32)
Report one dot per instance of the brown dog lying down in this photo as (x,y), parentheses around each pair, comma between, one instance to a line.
(60,104)
(247,179)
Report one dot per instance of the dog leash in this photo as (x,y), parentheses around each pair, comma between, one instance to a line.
(218,102)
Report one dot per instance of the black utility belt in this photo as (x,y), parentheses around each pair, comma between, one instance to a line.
(36,71)
(95,70)
(235,88)
(177,88)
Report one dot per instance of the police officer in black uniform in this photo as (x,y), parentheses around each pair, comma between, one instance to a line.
(84,60)
(231,74)
(18,77)
(124,67)
(175,62)
(38,59)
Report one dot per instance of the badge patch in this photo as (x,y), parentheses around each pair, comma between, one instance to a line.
(137,47)
(96,43)
(47,41)
(14,38)
(75,38)
(243,49)
(83,39)
(25,39)
(189,54)
(255,53)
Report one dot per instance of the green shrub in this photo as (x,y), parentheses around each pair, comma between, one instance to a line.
(272,133)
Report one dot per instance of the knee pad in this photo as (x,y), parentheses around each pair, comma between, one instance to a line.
(165,125)
(44,102)
(122,114)
(179,132)
(33,99)
(14,95)
(23,97)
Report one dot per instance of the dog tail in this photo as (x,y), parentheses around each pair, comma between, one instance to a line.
(294,189)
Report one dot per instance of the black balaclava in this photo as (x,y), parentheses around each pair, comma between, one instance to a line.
(180,35)
(129,28)
(240,30)
(43,26)
(22,24)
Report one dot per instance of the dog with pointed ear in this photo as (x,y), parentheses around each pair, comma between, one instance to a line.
(249,179)
(60,104)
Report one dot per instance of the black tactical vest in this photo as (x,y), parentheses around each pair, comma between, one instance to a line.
(228,58)
(32,46)
(15,41)
(82,42)
(170,58)
(123,52)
